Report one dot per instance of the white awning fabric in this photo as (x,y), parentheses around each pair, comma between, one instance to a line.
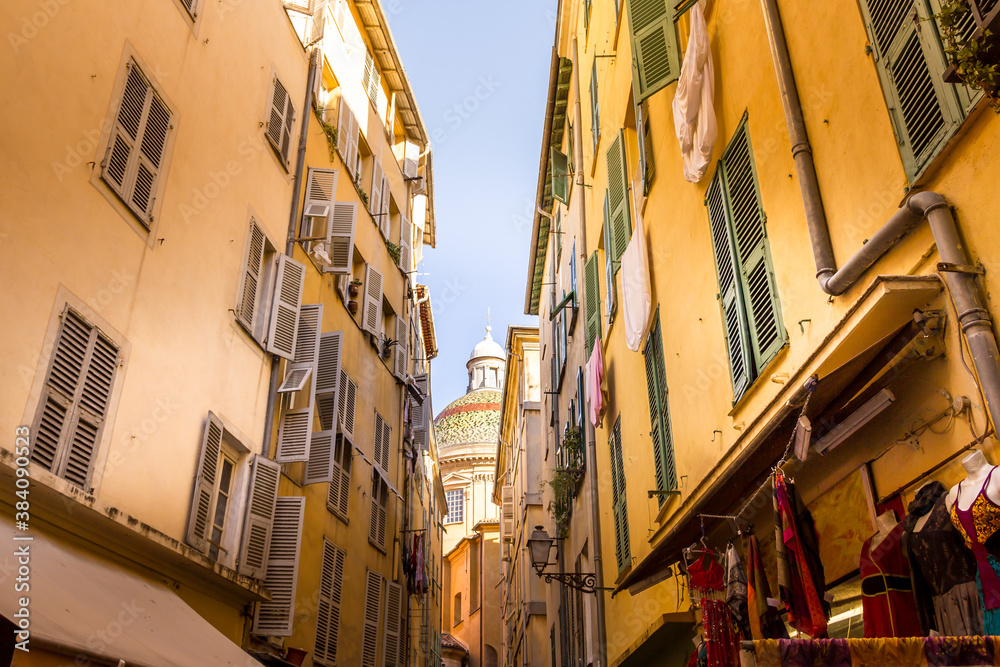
(84,604)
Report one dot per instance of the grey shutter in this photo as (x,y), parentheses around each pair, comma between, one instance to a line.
(143,121)
(659,413)
(373,599)
(421,414)
(275,617)
(760,290)
(618,209)
(331,592)
(371,319)
(306,358)
(376,525)
(405,244)
(730,295)
(595,112)
(279,120)
(559,169)
(393,612)
(317,212)
(925,110)
(383,434)
(655,58)
(294,435)
(592,300)
(320,466)
(252,276)
(327,387)
(346,403)
(199,521)
(262,495)
(402,336)
(340,239)
(286,301)
(375,198)
(339,492)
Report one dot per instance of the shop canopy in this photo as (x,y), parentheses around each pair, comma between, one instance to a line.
(847,368)
(87,607)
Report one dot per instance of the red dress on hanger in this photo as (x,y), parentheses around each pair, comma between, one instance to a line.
(890,610)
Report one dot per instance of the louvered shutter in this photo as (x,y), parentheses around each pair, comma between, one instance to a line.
(372,317)
(294,435)
(405,243)
(327,387)
(199,521)
(384,218)
(288,283)
(507,511)
(346,402)
(659,411)
(592,300)
(618,209)
(252,276)
(383,433)
(595,112)
(655,58)
(331,592)
(730,296)
(610,263)
(143,121)
(340,238)
(262,495)
(402,351)
(317,212)
(373,600)
(421,414)
(279,121)
(623,550)
(344,134)
(925,110)
(375,200)
(760,290)
(190,6)
(320,467)
(275,617)
(393,612)
(306,357)
(559,169)
(376,525)
(339,492)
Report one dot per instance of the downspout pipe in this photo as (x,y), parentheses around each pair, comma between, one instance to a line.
(293,218)
(959,276)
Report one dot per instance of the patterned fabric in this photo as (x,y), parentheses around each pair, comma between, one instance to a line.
(979,523)
(881,652)
(472,418)
(894,652)
(803,601)
(721,643)
(886,592)
(954,651)
(765,623)
(736,591)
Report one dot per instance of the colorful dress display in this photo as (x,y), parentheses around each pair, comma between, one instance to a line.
(979,524)
(798,586)
(890,609)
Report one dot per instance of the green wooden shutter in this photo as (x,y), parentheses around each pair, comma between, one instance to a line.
(730,295)
(659,411)
(760,291)
(595,113)
(560,175)
(618,211)
(586,14)
(592,300)
(623,550)
(655,55)
(610,265)
(925,111)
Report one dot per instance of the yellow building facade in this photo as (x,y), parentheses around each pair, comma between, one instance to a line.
(781,284)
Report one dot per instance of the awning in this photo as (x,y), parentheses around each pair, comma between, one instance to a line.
(81,604)
(846,364)
(668,633)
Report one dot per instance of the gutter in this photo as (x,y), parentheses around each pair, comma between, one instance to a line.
(959,275)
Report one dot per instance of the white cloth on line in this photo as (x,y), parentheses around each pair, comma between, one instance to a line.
(637,300)
(694,104)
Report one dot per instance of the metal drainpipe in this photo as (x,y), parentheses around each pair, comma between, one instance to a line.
(293,217)
(601,653)
(973,316)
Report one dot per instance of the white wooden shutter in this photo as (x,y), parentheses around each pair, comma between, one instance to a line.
(327,385)
(275,617)
(375,198)
(339,493)
(421,416)
(287,300)
(294,435)
(405,243)
(279,121)
(373,600)
(507,509)
(252,276)
(393,611)
(384,220)
(344,132)
(306,358)
(262,494)
(377,521)
(331,589)
(380,450)
(199,521)
(368,72)
(402,338)
(340,237)
(317,212)
(346,403)
(319,467)
(371,319)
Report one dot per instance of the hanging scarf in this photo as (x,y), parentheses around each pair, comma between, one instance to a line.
(736,591)
(923,503)
(764,620)
(798,590)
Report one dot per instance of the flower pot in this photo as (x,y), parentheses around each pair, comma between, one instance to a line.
(353,290)
(353,307)
(295,656)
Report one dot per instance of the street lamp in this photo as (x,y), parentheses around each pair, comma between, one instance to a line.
(540,546)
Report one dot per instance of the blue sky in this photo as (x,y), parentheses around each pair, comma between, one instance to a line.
(479,71)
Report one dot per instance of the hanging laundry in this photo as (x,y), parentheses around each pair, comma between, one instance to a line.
(806,612)
(597,388)
(694,104)
(765,622)
(736,591)
(721,644)
(636,298)
(886,592)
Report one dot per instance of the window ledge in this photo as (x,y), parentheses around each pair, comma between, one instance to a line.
(759,381)
(59,504)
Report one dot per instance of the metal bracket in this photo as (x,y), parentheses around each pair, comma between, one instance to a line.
(973,269)
(581,581)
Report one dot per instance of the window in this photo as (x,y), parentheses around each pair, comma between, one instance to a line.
(279,121)
(136,149)
(327,229)
(748,292)
(646,163)
(655,57)
(75,400)
(623,549)
(223,492)
(924,109)
(275,616)
(456,500)
(330,593)
(379,506)
(270,279)
(659,411)
(458,609)
(339,492)
(595,114)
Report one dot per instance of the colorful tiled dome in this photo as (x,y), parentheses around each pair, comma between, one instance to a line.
(472,418)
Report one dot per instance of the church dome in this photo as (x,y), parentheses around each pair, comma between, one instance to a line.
(472,418)
(488,348)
